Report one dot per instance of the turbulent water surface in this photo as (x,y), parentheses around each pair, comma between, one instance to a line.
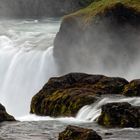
(26,63)
(49,130)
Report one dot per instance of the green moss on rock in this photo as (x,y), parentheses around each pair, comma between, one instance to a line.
(132,89)
(119,115)
(64,96)
(103,6)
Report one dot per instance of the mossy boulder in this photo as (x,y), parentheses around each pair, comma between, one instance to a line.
(64,96)
(4,116)
(132,89)
(119,115)
(103,38)
(78,133)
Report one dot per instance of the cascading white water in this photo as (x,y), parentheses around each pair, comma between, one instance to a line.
(26,61)
(91,112)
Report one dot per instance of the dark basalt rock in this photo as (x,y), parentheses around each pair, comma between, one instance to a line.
(132,89)
(4,116)
(77,133)
(119,115)
(64,96)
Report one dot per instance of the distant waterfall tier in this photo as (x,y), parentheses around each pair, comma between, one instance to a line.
(26,61)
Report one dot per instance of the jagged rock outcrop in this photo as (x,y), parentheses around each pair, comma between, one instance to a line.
(40,8)
(102,38)
(132,89)
(78,133)
(120,115)
(64,96)
(4,116)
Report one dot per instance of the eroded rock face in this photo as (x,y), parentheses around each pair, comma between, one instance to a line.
(64,96)
(4,116)
(119,115)
(77,133)
(132,89)
(103,38)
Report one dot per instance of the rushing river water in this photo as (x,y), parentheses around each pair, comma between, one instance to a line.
(26,63)
(49,130)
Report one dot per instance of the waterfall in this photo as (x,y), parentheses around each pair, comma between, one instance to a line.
(91,112)
(26,61)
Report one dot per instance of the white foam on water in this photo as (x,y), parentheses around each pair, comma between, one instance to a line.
(32,117)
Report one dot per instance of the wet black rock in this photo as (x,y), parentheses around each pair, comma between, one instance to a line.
(120,115)
(77,133)
(4,116)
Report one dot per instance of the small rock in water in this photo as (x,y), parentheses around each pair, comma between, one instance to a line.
(77,133)
(107,134)
(119,115)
